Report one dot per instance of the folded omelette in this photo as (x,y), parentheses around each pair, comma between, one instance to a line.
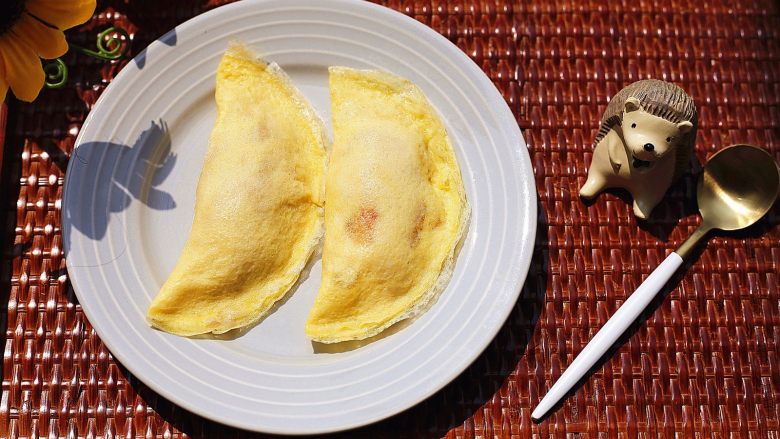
(258,203)
(395,207)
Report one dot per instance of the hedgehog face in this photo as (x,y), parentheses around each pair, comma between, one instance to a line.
(650,137)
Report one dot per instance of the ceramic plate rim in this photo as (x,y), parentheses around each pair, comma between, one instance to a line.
(517,278)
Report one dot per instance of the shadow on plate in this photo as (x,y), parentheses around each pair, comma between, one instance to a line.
(168,39)
(111,175)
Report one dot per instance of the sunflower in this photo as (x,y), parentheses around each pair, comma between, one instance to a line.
(30,30)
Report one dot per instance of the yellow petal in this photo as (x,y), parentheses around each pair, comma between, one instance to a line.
(62,13)
(47,42)
(24,72)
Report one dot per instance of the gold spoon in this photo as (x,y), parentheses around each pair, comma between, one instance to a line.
(738,187)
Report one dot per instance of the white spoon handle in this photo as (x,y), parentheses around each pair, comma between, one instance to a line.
(610,332)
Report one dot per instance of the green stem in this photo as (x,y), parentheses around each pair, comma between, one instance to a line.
(56,74)
(111,44)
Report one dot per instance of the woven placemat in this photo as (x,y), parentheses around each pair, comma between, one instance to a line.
(705,363)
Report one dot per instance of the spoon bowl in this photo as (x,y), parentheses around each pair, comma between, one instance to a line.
(738,187)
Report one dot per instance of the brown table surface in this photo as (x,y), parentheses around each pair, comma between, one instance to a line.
(704,363)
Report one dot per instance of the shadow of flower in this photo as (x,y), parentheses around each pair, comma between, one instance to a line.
(108,176)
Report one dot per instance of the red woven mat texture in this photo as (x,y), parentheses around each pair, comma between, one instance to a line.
(704,363)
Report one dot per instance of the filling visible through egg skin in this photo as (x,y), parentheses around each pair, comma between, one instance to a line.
(395,207)
(258,203)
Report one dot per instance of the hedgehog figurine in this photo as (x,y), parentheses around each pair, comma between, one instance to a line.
(644,143)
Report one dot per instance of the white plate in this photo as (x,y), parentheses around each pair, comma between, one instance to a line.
(128,205)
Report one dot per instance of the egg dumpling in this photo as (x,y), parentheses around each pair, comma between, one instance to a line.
(395,207)
(258,203)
